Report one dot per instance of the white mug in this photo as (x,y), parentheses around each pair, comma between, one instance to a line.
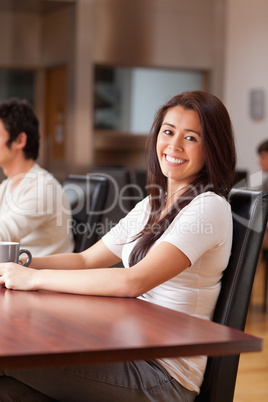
(10,252)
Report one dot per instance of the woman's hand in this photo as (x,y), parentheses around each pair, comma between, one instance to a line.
(16,276)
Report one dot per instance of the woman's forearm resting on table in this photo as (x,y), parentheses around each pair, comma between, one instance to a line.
(100,282)
(59,262)
(161,264)
(97,256)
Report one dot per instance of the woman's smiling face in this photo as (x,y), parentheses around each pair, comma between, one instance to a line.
(179,146)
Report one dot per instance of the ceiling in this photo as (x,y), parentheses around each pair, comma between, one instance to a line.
(36,6)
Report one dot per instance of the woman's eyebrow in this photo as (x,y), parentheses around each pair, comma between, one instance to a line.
(188,130)
(168,124)
(192,131)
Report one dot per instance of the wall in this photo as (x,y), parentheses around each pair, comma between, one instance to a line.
(146,32)
(57,36)
(246,69)
(174,33)
(57,44)
(20,35)
(160,33)
(34,39)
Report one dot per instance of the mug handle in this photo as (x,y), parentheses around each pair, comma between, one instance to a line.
(29,259)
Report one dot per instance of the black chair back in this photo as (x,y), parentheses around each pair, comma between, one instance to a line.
(119,199)
(87,196)
(139,180)
(241,177)
(249,210)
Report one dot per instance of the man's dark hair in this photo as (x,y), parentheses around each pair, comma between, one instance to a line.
(263,147)
(18,117)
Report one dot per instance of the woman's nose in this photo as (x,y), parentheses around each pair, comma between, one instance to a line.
(176,144)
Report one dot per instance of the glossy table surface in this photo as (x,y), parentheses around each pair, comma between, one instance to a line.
(43,328)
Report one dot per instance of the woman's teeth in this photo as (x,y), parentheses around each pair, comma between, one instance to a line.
(174,160)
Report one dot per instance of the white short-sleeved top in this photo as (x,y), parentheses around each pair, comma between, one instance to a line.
(203,232)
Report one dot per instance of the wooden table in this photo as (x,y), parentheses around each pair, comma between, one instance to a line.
(43,328)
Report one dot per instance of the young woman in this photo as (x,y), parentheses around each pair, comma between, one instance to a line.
(177,242)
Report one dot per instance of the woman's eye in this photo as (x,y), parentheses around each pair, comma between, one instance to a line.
(190,138)
(168,132)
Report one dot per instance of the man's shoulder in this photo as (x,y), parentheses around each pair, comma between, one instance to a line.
(39,173)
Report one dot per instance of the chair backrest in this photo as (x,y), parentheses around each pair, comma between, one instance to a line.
(138,178)
(241,177)
(249,209)
(87,196)
(119,199)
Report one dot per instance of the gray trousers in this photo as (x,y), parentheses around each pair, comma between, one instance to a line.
(137,381)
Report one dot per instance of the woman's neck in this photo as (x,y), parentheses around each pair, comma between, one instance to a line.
(174,193)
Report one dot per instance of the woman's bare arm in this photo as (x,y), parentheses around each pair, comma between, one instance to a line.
(96,256)
(160,264)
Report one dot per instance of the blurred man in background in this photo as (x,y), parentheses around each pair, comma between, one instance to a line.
(33,208)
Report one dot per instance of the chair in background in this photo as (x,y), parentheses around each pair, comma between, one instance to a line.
(265,282)
(119,200)
(87,195)
(138,178)
(250,209)
(241,177)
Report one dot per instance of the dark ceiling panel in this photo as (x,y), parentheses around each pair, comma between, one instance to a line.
(36,6)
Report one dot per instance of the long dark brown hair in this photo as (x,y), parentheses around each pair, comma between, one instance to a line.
(217,175)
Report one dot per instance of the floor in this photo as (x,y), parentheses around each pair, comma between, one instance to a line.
(252,378)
